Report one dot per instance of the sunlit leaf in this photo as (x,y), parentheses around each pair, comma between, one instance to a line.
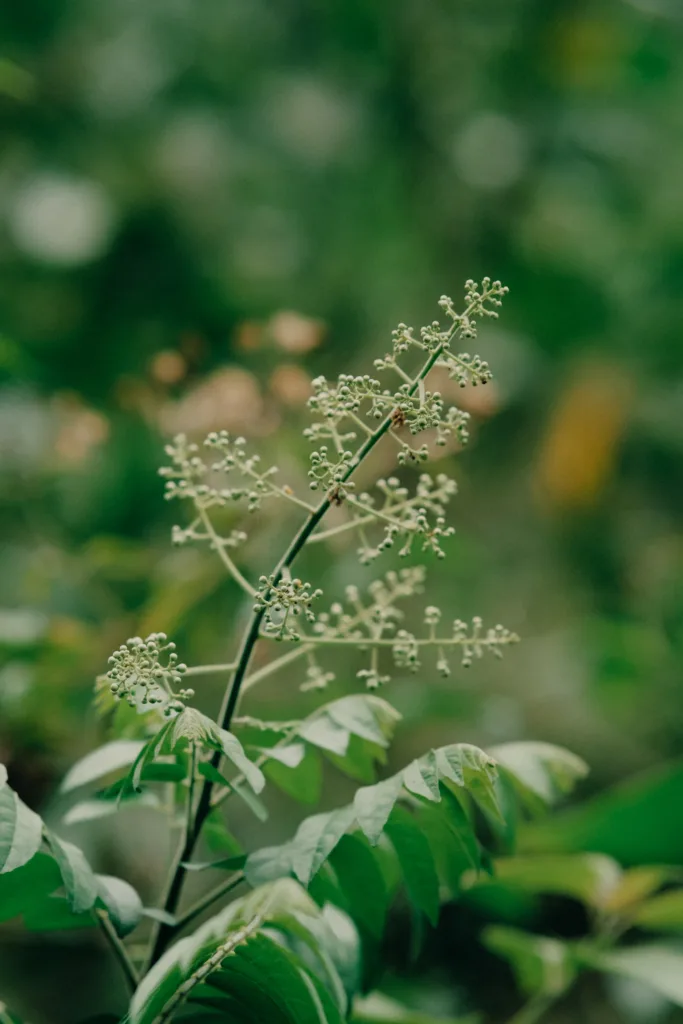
(121,902)
(540,964)
(106,759)
(79,881)
(235,963)
(659,966)
(21,830)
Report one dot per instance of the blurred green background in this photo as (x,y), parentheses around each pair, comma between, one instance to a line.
(204,205)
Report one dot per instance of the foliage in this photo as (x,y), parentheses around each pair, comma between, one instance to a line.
(441,829)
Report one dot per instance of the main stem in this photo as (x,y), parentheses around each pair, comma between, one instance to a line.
(165,932)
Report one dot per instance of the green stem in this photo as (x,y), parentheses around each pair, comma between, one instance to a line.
(274,666)
(205,670)
(118,949)
(210,897)
(225,558)
(249,641)
(369,641)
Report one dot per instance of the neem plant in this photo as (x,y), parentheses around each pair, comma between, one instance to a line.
(300,946)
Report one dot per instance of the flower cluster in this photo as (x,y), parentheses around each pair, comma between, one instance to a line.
(146,672)
(408,518)
(378,624)
(342,407)
(282,600)
(186,476)
(330,473)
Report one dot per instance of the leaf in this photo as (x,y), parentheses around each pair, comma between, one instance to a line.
(156,914)
(452,841)
(591,878)
(302,781)
(234,751)
(637,884)
(637,822)
(79,881)
(659,966)
(380,1009)
(121,902)
(103,761)
(224,864)
(217,836)
(468,766)
(163,772)
(243,792)
(360,760)
(373,805)
(315,839)
(89,810)
(421,777)
(323,732)
(366,716)
(235,963)
(21,831)
(269,864)
(361,882)
(540,964)
(663,913)
(56,914)
(28,886)
(541,769)
(417,863)
(290,755)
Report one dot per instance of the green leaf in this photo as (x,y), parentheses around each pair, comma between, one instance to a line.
(235,964)
(637,822)
(290,755)
(540,964)
(658,966)
(373,805)
(269,864)
(468,766)
(315,839)
(89,810)
(303,780)
(590,878)
(360,760)
(28,886)
(636,884)
(79,881)
(56,914)
(21,830)
(366,716)
(662,913)
(234,751)
(542,770)
(121,902)
(326,734)
(217,836)
(163,771)
(417,863)
(452,840)
(361,882)
(106,759)
(421,777)
(380,1009)
(224,864)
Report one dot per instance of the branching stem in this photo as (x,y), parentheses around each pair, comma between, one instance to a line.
(251,636)
(219,547)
